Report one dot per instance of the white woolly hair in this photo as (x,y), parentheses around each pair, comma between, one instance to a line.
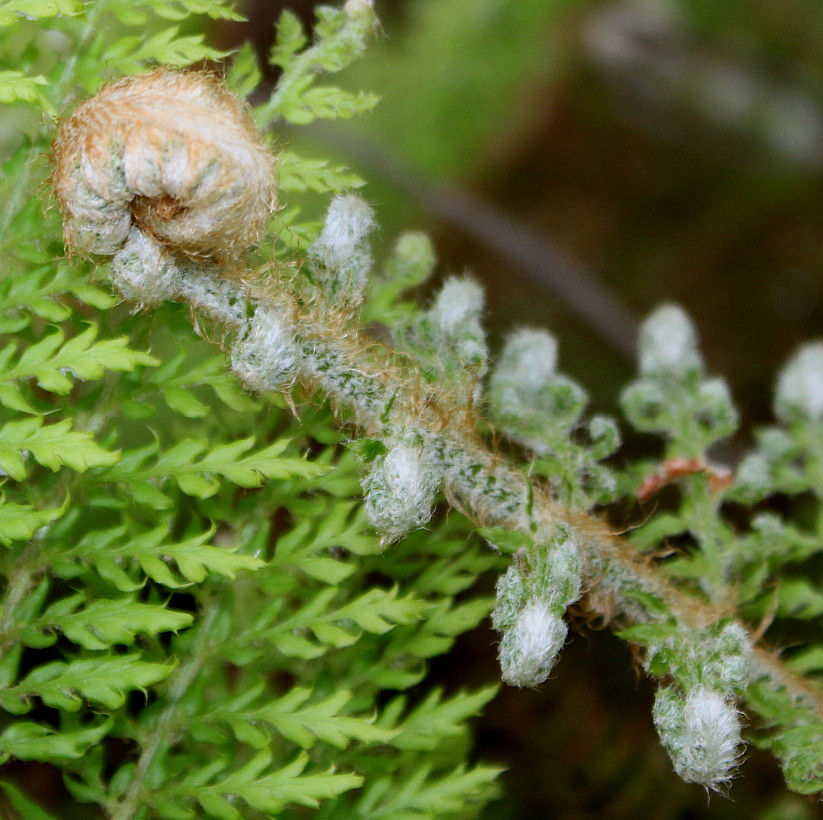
(143,272)
(349,220)
(172,152)
(400,491)
(800,386)
(529,649)
(459,301)
(701,734)
(529,359)
(668,342)
(357,7)
(712,739)
(267,357)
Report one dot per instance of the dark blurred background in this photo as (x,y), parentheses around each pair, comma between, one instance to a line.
(588,160)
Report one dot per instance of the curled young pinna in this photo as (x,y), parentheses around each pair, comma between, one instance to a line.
(173,154)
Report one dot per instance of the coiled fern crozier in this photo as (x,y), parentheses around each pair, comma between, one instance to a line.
(201,618)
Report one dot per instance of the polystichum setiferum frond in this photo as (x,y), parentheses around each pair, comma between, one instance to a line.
(166,534)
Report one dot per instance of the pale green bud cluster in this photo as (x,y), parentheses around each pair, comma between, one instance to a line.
(532,403)
(447,340)
(541,410)
(716,657)
(412,260)
(410,263)
(668,344)
(787,457)
(671,395)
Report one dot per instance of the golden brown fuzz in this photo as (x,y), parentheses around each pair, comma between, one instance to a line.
(173,152)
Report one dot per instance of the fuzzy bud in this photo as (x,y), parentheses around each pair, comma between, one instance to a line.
(800,386)
(717,408)
(267,356)
(668,344)
(605,436)
(342,249)
(412,260)
(400,491)
(529,649)
(732,663)
(532,403)
(359,8)
(701,733)
(753,478)
(143,272)
(531,596)
(459,303)
(529,359)
(455,319)
(171,152)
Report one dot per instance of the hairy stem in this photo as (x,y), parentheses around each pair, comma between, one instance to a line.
(338,361)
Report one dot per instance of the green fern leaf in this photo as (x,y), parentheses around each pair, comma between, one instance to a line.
(444,623)
(104,681)
(38,293)
(338,41)
(53,446)
(105,623)
(166,47)
(799,598)
(22,804)
(177,377)
(434,719)
(195,465)
(111,552)
(244,75)
(317,626)
(142,12)
(52,358)
(290,38)
(19,522)
(325,102)
(17,87)
(12,10)
(182,9)
(31,741)
(314,722)
(306,547)
(419,796)
(269,792)
(297,174)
